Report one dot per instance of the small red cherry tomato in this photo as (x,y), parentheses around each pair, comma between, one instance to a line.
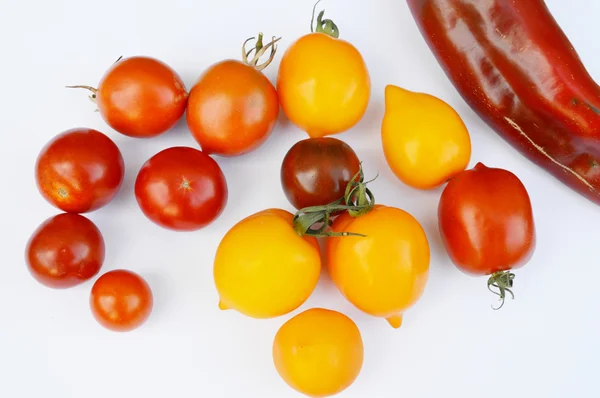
(64,251)
(121,300)
(80,170)
(486,222)
(140,97)
(181,188)
(316,171)
(233,107)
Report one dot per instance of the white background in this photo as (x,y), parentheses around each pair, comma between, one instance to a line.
(543,344)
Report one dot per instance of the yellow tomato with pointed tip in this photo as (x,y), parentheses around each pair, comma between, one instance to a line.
(318,352)
(323,84)
(263,268)
(425,141)
(384,272)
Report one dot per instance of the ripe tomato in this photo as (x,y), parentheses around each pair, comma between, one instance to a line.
(140,97)
(263,268)
(80,170)
(316,171)
(64,251)
(319,352)
(486,223)
(121,300)
(233,107)
(181,188)
(384,272)
(425,141)
(323,83)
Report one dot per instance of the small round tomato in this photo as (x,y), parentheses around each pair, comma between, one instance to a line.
(486,222)
(323,83)
(318,352)
(263,268)
(384,271)
(80,170)
(140,97)
(233,107)
(121,300)
(425,141)
(64,251)
(181,188)
(316,171)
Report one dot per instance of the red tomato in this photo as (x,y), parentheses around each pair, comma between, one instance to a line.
(80,170)
(181,188)
(140,97)
(232,109)
(121,300)
(64,251)
(486,223)
(316,171)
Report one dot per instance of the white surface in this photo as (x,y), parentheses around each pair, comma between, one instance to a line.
(543,344)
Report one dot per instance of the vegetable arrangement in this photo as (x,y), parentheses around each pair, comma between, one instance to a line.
(378,255)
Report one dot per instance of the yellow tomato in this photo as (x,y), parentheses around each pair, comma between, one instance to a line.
(263,268)
(318,352)
(383,273)
(425,141)
(323,85)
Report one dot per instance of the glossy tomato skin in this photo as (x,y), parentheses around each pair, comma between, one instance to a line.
(323,85)
(64,251)
(232,109)
(80,170)
(316,171)
(486,221)
(121,300)
(182,189)
(141,97)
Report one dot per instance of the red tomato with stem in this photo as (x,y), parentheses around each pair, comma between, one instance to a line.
(80,170)
(316,171)
(233,107)
(140,97)
(486,222)
(64,251)
(121,300)
(182,189)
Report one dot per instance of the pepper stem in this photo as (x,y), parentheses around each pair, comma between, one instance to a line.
(259,50)
(357,201)
(503,282)
(326,26)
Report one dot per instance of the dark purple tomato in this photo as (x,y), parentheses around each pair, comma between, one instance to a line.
(316,171)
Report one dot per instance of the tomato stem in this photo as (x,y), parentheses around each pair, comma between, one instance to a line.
(326,26)
(503,281)
(92,89)
(259,50)
(357,201)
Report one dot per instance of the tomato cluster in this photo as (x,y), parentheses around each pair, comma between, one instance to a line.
(378,256)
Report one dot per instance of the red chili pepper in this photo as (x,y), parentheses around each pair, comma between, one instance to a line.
(516,68)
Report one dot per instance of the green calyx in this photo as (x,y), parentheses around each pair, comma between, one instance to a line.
(326,26)
(500,283)
(357,201)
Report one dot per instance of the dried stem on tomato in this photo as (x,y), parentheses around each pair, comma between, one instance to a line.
(259,50)
(357,201)
(502,281)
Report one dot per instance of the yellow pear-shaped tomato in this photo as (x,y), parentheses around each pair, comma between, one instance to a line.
(425,141)
(384,272)
(263,268)
(323,84)
(318,352)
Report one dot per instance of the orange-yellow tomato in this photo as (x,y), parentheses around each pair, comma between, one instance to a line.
(425,141)
(318,352)
(383,273)
(263,268)
(323,84)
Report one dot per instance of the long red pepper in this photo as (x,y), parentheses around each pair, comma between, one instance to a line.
(512,63)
